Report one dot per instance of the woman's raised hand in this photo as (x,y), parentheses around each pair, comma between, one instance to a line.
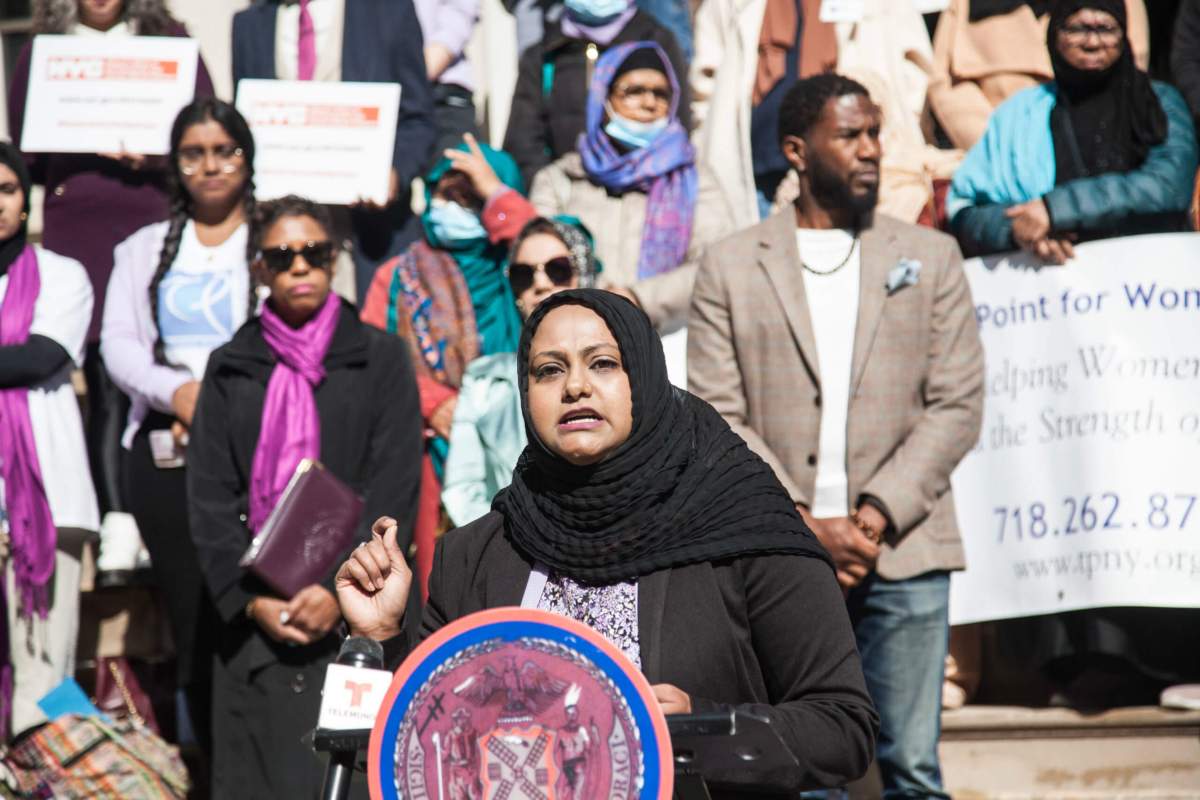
(476,167)
(372,586)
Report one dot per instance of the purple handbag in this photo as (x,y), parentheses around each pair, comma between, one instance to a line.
(312,525)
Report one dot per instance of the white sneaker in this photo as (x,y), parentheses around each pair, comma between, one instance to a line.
(120,543)
(1185,696)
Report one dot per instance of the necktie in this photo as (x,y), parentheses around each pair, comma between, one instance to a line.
(306,63)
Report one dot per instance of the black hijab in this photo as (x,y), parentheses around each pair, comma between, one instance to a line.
(11,157)
(682,489)
(1104,121)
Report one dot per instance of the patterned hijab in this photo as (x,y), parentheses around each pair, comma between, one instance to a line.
(574,236)
(665,169)
(682,489)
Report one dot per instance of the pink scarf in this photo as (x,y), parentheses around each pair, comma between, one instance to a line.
(291,430)
(31,527)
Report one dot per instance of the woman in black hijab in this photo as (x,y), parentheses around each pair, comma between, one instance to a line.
(1123,148)
(635,509)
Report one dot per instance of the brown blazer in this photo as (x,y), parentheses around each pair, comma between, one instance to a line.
(916,379)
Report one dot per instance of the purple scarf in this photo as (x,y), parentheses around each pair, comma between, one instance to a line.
(31,526)
(291,430)
(665,170)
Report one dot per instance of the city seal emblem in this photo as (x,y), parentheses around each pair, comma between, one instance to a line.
(518,704)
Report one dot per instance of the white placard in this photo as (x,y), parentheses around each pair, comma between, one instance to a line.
(1084,490)
(327,141)
(842,10)
(351,697)
(95,94)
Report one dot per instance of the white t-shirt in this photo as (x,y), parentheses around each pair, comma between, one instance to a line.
(328,18)
(833,307)
(203,298)
(62,312)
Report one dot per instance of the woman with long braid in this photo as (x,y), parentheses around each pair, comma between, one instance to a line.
(179,290)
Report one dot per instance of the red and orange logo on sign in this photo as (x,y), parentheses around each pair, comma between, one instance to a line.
(98,68)
(320,116)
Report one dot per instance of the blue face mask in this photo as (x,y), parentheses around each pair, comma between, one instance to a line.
(452,224)
(595,12)
(634,134)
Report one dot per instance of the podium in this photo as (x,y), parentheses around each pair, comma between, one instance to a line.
(735,749)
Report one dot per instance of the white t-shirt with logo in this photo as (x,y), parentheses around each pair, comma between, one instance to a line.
(203,298)
(62,312)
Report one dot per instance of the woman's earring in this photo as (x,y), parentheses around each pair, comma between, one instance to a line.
(24,216)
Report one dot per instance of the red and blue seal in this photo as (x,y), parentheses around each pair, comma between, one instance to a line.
(519,704)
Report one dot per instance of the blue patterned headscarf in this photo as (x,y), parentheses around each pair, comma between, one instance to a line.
(665,169)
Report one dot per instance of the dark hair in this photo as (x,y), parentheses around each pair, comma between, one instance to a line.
(271,211)
(146,17)
(229,118)
(806,99)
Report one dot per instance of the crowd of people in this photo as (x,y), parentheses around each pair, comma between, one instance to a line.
(480,357)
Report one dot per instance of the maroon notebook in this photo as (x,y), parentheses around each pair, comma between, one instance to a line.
(312,525)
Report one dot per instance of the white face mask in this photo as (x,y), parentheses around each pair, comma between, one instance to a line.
(632,133)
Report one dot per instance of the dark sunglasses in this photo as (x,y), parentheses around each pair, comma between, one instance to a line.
(318,255)
(559,270)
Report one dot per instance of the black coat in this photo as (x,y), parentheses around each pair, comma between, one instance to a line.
(767,634)
(370,438)
(541,129)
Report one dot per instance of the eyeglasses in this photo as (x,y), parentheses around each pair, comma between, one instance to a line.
(660,96)
(1077,34)
(228,158)
(318,255)
(559,270)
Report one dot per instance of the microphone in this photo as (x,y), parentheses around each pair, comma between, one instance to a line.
(355,685)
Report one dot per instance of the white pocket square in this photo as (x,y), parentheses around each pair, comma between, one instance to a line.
(905,273)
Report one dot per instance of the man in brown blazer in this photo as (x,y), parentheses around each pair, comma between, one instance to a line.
(842,345)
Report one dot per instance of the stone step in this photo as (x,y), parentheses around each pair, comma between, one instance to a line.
(1013,753)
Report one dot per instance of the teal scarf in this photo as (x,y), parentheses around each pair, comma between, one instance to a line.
(483,263)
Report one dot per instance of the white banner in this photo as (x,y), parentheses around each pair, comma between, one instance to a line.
(329,142)
(95,94)
(1084,490)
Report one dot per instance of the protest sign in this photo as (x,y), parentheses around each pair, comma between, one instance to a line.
(1084,490)
(90,94)
(329,142)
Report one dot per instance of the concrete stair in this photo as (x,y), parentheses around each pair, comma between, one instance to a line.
(1013,753)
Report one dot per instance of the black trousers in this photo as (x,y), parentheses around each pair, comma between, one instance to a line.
(158,501)
(260,723)
(107,408)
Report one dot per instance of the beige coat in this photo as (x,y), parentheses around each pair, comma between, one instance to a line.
(979,65)
(616,223)
(888,51)
(916,377)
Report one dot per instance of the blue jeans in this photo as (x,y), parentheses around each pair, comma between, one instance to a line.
(903,633)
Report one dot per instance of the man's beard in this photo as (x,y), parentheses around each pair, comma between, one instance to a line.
(832,192)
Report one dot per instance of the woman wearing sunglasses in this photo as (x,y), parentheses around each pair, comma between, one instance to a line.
(306,379)
(635,183)
(179,290)
(548,256)
(447,296)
